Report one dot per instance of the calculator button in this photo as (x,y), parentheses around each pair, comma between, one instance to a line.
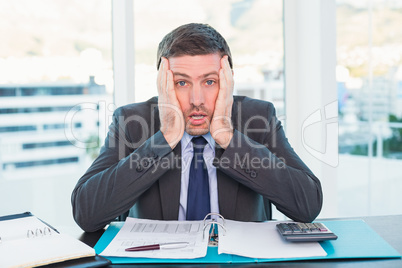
(303,227)
(295,228)
(321,227)
(312,227)
(284,228)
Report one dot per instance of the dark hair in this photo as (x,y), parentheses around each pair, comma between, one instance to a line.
(193,39)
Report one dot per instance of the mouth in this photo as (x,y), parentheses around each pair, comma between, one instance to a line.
(197,118)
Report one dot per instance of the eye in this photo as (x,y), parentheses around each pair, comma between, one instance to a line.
(181,83)
(210,82)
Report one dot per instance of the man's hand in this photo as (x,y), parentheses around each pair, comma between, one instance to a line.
(221,126)
(170,113)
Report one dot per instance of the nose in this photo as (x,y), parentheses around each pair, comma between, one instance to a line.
(197,95)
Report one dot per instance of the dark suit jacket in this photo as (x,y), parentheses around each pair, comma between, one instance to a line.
(137,170)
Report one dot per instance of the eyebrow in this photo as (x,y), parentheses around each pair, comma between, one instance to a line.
(202,76)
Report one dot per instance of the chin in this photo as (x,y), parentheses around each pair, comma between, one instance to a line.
(197,131)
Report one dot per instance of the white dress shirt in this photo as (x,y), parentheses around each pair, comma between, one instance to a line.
(186,158)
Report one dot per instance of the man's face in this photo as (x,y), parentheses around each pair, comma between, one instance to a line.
(196,80)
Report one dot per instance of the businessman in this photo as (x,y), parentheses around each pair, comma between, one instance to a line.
(195,148)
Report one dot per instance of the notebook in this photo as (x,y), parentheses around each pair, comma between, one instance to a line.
(26,241)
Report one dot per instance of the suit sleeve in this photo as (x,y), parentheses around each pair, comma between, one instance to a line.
(271,168)
(120,174)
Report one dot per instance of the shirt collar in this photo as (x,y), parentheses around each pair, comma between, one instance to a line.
(186,140)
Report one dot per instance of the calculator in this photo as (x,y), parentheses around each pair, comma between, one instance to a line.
(304,232)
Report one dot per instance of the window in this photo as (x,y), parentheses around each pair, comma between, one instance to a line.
(27,146)
(56,71)
(17,129)
(369,79)
(46,162)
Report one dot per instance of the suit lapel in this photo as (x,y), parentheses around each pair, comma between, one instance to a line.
(169,187)
(155,115)
(227,192)
(227,187)
(170,182)
(236,113)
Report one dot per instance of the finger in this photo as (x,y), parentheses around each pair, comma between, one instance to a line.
(228,72)
(170,89)
(160,77)
(225,63)
(222,84)
(169,81)
(222,79)
(164,76)
(169,76)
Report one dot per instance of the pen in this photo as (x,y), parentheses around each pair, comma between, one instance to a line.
(173,245)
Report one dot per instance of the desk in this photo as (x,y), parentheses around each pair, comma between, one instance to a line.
(389,227)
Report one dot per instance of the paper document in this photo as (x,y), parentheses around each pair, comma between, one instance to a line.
(140,232)
(262,240)
(28,242)
(20,228)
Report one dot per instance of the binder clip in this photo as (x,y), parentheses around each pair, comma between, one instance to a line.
(213,233)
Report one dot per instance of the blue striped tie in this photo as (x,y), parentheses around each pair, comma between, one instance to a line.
(198,203)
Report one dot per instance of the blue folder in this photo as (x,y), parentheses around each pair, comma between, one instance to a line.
(355,240)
